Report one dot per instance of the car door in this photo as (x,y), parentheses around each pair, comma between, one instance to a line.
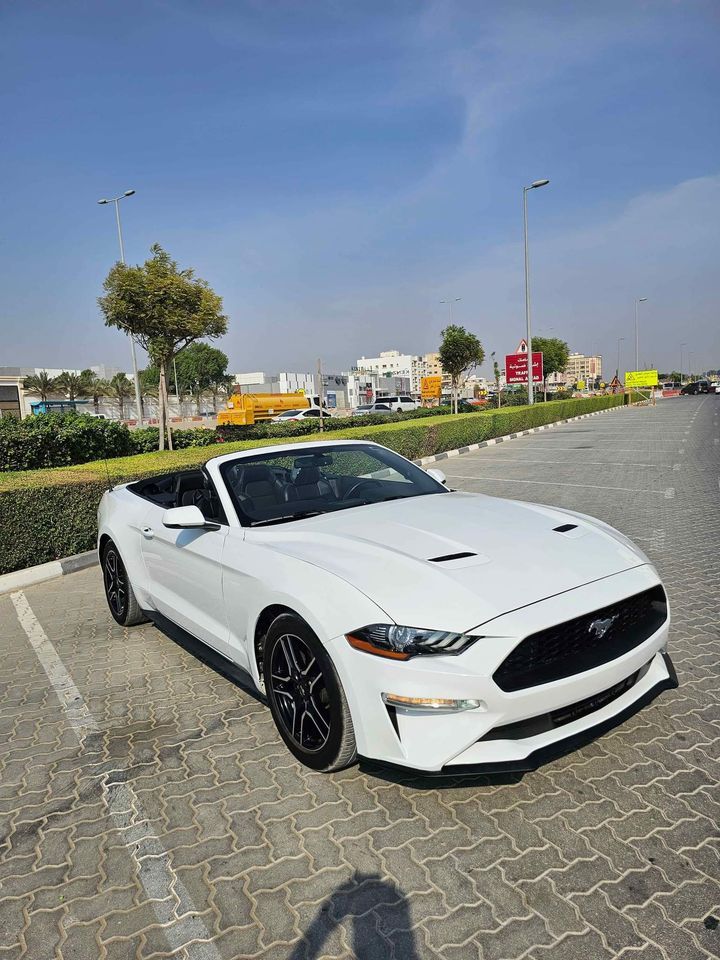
(185,571)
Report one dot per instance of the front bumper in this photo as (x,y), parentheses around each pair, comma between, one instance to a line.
(435,742)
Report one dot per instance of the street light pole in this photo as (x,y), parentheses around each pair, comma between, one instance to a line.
(638,301)
(450,306)
(136,378)
(617,370)
(684,344)
(528,332)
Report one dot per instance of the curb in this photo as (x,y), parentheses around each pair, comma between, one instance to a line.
(510,436)
(19,579)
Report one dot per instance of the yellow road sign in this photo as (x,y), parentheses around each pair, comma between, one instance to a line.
(430,387)
(581,384)
(641,378)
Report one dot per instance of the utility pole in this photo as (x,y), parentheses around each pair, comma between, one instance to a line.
(136,378)
(528,334)
(320,395)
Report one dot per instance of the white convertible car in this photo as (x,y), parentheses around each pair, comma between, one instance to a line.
(385,616)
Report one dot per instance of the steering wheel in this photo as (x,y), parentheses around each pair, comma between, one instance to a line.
(357,486)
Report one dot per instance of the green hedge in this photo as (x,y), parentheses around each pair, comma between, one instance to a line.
(47,514)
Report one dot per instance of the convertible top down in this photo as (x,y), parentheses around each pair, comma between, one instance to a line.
(382,614)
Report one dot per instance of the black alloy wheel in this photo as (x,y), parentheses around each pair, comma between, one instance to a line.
(306,697)
(116,583)
(119,593)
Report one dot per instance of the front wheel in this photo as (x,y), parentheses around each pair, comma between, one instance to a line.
(119,593)
(306,697)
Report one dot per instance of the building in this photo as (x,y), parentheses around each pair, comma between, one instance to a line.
(366,387)
(579,367)
(395,364)
(15,401)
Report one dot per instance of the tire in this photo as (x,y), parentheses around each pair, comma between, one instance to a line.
(306,697)
(120,596)
(399,410)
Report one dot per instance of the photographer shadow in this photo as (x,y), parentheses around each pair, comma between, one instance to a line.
(377,912)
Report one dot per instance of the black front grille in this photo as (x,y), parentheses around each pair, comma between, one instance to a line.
(583,643)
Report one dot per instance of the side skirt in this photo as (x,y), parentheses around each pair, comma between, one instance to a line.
(201,651)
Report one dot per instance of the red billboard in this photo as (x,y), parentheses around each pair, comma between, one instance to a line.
(516,368)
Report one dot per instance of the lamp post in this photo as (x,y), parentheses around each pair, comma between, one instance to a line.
(136,378)
(684,344)
(638,301)
(528,335)
(450,305)
(617,370)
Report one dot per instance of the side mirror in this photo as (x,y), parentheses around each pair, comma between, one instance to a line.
(187,518)
(437,475)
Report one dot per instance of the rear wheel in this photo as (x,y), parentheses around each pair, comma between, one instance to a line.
(119,593)
(306,697)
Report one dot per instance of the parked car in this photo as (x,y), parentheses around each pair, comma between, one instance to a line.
(307,413)
(371,408)
(385,616)
(697,386)
(715,386)
(398,404)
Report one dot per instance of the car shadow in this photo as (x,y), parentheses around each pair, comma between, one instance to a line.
(241,678)
(378,913)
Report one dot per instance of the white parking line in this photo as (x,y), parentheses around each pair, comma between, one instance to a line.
(154,872)
(555,483)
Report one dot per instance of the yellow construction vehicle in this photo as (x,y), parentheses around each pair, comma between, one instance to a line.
(244,409)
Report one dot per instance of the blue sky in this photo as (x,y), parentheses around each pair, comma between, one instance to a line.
(335,169)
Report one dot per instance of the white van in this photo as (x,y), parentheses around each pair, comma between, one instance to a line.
(398,404)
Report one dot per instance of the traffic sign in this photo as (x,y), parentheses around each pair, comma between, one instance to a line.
(581,384)
(516,370)
(641,378)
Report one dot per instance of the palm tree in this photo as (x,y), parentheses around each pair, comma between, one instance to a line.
(40,383)
(73,384)
(120,389)
(223,384)
(95,387)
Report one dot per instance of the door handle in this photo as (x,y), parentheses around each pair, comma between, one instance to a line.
(148,533)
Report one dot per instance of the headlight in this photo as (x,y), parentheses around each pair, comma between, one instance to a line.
(401,643)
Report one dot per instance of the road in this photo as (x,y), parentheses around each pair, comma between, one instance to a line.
(148,809)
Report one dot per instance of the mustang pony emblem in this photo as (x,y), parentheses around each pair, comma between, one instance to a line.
(601,627)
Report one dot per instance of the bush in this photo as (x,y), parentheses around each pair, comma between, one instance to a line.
(297,428)
(60,439)
(46,514)
(145,439)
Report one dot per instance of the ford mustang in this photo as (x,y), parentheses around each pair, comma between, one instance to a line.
(382,615)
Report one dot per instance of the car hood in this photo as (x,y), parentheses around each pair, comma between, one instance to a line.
(516,556)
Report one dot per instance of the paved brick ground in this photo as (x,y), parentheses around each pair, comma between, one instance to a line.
(170,820)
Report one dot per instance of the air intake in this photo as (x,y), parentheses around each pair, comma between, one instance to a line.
(565,528)
(451,556)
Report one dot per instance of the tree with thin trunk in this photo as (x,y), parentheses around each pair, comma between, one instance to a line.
(73,385)
(40,383)
(199,365)
(459,351)
(555,356)
(120,389)
(496,374)
(95,387)
(165,309)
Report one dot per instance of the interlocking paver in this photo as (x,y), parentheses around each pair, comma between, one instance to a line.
(611,851)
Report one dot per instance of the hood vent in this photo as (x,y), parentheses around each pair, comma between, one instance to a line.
(451,556)
(565,528)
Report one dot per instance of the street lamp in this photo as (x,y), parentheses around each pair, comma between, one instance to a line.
(684,344)
(450,305)
(528,337)
(638,301)
(617,370)
(116,201)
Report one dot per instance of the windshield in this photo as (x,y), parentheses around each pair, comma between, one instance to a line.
(281,487)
